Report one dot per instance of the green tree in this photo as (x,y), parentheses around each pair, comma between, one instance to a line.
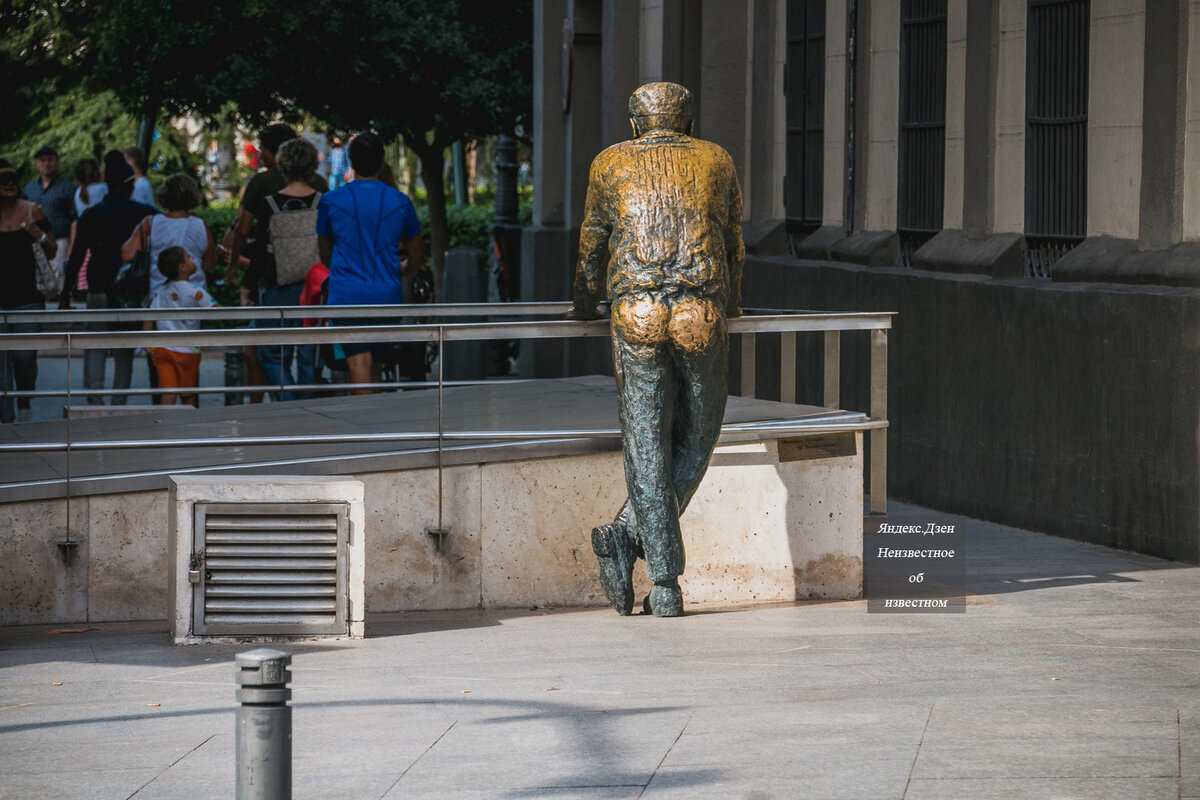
(43,53)
(78,74)
(86,125)
(184,57)
(430,71)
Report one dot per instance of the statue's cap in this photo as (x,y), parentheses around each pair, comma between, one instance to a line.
(667,99)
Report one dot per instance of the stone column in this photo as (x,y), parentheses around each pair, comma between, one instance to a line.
(1008,166)
(548,120)
(1164,105)
(722,115)
(650,61)
(544,257)
(583,118)
(833,202)
(684,47)
(621,47)
(976,99)
(765,117)
(1191,136)
(1114,129)
(956,117)
(881,142)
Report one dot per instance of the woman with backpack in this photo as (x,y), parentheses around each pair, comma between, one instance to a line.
(287,220)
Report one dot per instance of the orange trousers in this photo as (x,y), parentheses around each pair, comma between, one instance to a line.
(176,371)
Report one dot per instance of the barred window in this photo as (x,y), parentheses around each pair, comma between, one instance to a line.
(921,188)
(805,86)
(1056,131)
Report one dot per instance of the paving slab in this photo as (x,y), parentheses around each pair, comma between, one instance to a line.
(1073,673)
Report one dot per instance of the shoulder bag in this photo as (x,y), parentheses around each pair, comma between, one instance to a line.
(49,277)
(132,286)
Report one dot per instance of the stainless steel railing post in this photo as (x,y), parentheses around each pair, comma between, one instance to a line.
(440,533)
(787,367)
(748,371)
(440,427)
(69,548)
(832,394)
(877,480)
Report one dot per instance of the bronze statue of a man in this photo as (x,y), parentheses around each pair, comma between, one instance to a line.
(662,235)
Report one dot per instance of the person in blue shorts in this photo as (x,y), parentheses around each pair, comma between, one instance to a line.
(361,228)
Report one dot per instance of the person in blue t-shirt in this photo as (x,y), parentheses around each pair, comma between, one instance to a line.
(361,228)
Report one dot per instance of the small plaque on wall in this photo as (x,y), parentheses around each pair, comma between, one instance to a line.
(810,448)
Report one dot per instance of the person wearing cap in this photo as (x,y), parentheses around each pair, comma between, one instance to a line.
(662,240)
(103,229)
(54,193)
(23,226)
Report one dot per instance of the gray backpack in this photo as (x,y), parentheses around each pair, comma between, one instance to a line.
(293,240)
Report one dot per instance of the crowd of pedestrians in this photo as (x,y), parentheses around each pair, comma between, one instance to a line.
(297,238)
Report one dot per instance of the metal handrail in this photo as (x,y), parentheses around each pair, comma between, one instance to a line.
(262,387)
(422,332)
(418,436)
(748,326)
(493,310)
(82,315)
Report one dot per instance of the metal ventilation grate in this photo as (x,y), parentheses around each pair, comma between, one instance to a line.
(270,568)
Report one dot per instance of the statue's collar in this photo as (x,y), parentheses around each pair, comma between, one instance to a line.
(661,133)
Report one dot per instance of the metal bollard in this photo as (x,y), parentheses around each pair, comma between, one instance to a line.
(264,725)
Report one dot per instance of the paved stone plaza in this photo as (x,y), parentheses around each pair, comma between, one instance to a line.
(1073,674)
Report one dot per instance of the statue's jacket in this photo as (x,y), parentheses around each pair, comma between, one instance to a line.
(663,216)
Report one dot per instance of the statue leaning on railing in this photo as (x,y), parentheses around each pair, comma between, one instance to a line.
(662,227)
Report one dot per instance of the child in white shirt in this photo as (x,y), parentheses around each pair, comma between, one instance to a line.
(178,366)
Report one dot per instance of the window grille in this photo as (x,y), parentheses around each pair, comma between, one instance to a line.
(1056,131)
(805,87)
(921,188)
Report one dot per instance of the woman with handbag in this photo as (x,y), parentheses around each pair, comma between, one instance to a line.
(176,226)
(23,227)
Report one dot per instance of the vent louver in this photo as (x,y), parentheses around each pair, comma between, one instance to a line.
(270,568)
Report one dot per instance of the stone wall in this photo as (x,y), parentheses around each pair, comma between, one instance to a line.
(758,529)
(1072,409)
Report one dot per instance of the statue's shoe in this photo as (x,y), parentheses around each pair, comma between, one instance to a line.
(665,600)
(616,553)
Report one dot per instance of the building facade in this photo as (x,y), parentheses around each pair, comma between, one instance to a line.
(1019,179)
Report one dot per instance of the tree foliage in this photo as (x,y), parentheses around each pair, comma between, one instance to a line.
(44,52)
(431,71)
(185,57)
(85,125)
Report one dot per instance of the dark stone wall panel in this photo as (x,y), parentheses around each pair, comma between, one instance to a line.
(1072,409)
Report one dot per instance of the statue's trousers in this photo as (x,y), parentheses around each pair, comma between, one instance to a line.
(670,354)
